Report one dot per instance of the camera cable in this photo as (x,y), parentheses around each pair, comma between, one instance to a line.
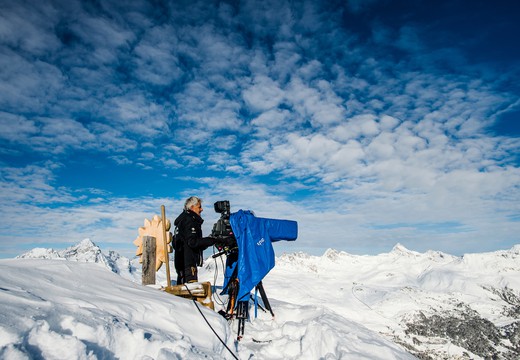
(216,295)
(211,327)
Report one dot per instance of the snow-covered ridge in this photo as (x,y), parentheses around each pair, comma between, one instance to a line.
(334,258)
(433,305)
(84,251)
(88,252)
(441,306)
(399,253)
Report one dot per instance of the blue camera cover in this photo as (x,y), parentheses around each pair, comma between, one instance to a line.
(256,257)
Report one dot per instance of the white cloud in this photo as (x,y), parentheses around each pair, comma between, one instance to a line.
(355,127)
(104,35)
(381,147)
(15,128)
(265,94)
(121,160)
(133,113)
(270,119)
(29,29)
(205,110)
(31,184)
(156,56)
(275,92)
(48,135)
(346,160)
(287,58)
(110,139)
(319,104)
(27,86)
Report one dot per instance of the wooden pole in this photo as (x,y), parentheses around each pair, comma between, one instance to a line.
(168,279)
(149,256)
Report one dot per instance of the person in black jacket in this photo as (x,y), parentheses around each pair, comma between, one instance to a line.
(189,243)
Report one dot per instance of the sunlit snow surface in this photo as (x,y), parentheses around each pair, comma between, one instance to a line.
(92,306)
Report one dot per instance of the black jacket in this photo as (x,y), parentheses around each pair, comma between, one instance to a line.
(189,243)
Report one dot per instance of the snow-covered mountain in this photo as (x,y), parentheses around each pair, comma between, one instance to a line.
(87,251)
(436,305)
(395,305)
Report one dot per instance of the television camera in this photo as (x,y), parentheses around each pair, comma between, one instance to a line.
(247,266)
(222,230)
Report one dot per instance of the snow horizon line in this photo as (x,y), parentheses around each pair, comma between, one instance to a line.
(397,248)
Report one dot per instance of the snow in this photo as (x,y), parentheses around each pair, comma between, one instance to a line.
(80,303)
(66,310)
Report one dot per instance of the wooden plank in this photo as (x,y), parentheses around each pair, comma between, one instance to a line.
(198,291)
(165,237)
(149,259)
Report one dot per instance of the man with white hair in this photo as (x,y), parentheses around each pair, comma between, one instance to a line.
(189,243)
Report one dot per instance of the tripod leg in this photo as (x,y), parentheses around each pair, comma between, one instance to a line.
(232,291)
(260,287)
(242,315)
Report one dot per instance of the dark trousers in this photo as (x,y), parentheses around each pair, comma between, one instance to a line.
(189,275)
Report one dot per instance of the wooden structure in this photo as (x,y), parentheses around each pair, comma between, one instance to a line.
(200,291)
(153,244)
(167,238)
(148,260)
(159,230)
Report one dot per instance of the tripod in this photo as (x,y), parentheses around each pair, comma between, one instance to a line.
(241,306)
(242,313)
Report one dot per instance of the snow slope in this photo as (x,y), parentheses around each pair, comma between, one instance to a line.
(398,292)
(72,304)
(71,310)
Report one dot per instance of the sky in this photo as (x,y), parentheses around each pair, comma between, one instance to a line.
(370,123)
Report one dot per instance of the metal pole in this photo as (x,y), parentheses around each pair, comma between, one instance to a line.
(264,298)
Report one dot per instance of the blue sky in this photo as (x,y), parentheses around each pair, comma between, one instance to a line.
(369,122)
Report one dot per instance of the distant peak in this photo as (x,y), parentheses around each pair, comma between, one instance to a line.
(331,253)
(83,251)
(515,249)
(86,243)
(399,248)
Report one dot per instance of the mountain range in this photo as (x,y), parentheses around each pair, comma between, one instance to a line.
(399,304)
